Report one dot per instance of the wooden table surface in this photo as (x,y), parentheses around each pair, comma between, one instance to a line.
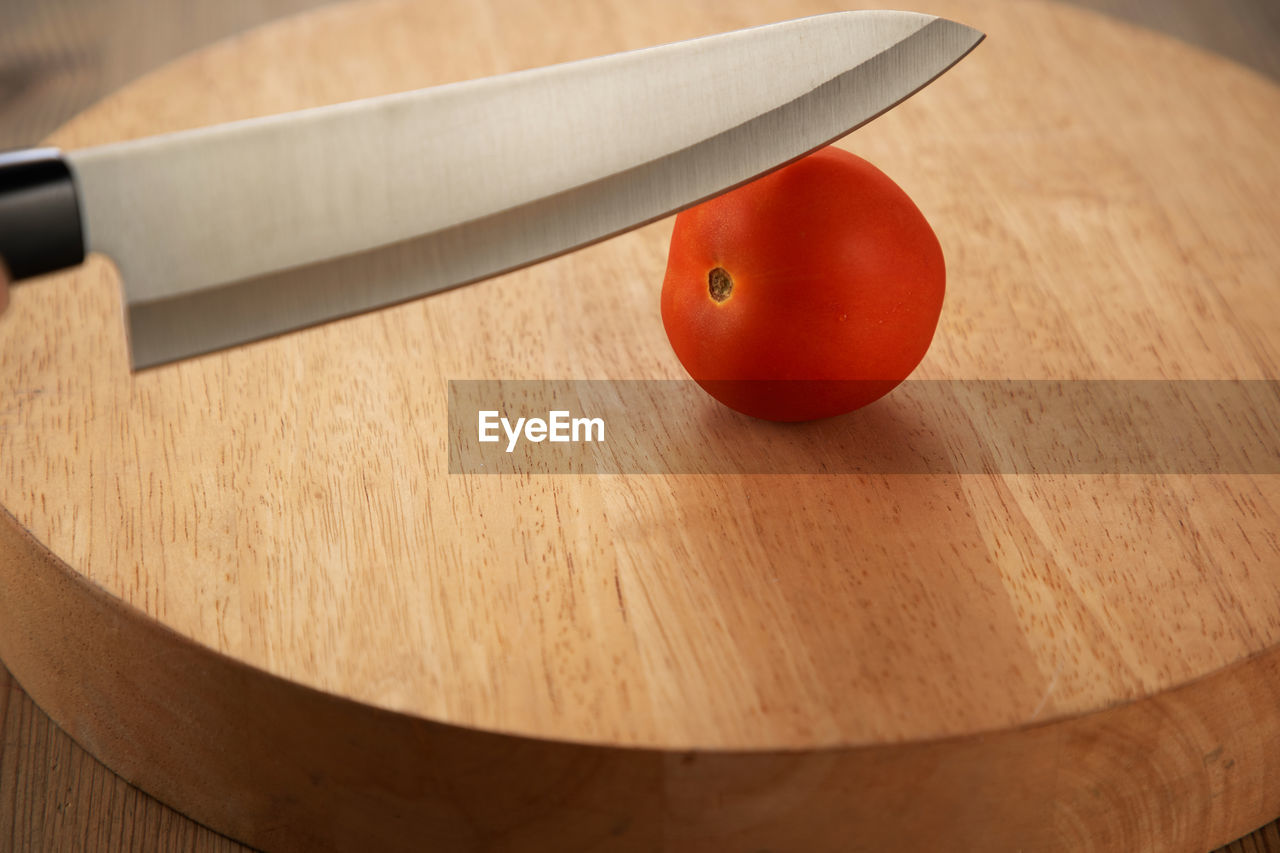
(24,771)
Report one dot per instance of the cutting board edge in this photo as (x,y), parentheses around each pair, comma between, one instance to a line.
(285,766)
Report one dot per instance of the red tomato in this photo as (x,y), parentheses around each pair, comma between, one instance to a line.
(807,293)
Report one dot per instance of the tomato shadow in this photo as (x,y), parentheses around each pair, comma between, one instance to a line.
(894,435)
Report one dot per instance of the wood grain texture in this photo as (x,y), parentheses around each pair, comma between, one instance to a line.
(287,768)
(282,511)
(1264,840)
(54,796)
(59,798)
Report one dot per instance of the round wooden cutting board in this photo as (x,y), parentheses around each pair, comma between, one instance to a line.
(250,584)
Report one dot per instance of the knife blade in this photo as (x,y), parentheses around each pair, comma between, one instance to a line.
(233,233)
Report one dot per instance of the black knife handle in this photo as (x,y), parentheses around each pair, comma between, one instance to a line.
(40,229)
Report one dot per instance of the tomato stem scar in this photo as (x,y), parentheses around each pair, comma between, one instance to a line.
(719,284)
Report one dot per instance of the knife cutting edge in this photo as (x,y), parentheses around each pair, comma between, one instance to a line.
(236,232)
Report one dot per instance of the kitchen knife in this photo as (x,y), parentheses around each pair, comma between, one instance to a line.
(232,233)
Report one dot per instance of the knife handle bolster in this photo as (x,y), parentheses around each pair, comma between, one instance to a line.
(40,229)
